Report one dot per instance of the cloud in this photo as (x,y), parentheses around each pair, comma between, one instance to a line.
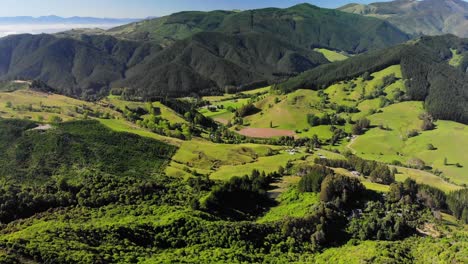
(6,30)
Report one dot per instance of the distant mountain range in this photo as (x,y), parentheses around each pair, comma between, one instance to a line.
(64,20)
(428,17)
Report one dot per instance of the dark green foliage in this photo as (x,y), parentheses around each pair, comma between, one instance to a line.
(326,119)
(411,193)
(326,227)
(29,154)
(377,172)
(458,203)
(303,25)
(312,178)
(6,86)
(424,65)
(313,120)
(240,197)
(385,222)
(382,174)
(405,208)
(209,62)
(77,67)
(95,190)
(341,190)
(361,126)
(246,110)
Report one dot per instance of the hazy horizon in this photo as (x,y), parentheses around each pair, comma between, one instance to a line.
(146,8)
(122,9)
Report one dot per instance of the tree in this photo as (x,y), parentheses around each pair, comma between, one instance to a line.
(341,190)
(382,174)
(312,180)
(313,120)
(428,122)
(8,104)
(416,163)
(366,76)
(360,126)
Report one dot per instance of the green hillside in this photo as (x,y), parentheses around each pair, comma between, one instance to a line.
(300,25)
(35,155)
(425,63)
(82,68)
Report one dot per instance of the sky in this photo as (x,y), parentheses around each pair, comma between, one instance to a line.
(143,8)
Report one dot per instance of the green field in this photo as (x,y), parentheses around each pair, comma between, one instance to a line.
(291,203)
(33,105)
(223,113)
(350,92)
(290,111)
(208,158)
(121,125)
(332,55)
(166,112)
(287,112)
(229,100)
(449,138)
(266,164)
(424,177)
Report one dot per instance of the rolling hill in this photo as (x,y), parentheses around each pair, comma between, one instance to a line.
(425,65)
(428,17)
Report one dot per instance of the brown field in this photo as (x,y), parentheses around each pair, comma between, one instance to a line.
(265,132)
(221,120)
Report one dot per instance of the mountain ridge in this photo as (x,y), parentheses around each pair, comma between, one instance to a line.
(193,52)
(428,17)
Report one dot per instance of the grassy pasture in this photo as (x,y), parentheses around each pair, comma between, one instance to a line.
(121,125)
(449,138)
(425,177)
(166,112)
(266,164)
(285,111)
(58,105)
(332,55)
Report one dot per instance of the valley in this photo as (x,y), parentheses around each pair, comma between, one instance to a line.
(272,135)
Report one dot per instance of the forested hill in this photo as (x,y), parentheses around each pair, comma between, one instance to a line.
(435,69)
(82,67)
(429,17)
(191,52)
(304,25)
(210,63)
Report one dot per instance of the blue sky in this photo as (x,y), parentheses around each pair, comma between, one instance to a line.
(142,8)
